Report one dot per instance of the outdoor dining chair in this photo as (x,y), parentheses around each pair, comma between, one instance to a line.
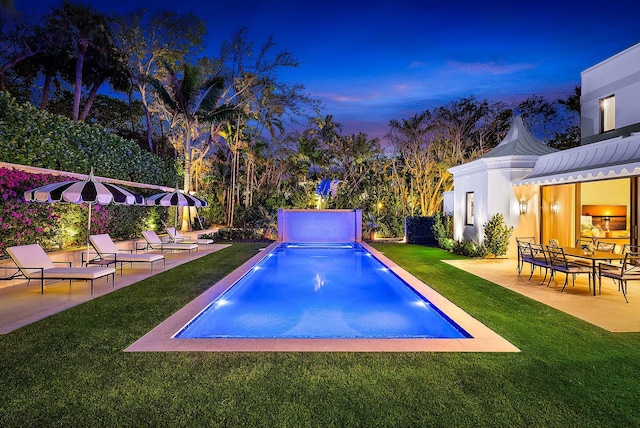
(559,263)
(524,254)
(538,257)
(609,247)
(629,270)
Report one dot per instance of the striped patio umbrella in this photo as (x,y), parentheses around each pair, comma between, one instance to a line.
(89,191)
(177,198)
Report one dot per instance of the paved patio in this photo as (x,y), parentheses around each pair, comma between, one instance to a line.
(21,305)
(607,310)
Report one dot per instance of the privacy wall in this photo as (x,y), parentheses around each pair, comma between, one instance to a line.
(319,225)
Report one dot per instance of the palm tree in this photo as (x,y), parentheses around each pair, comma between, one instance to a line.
(85,28)
(102,66)
(190,100)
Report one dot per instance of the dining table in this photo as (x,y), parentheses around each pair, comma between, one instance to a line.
(594,256)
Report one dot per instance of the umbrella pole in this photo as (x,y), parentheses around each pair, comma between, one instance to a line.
(89,231)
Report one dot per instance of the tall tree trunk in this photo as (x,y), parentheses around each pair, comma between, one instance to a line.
(186,223)
(89,103)
(147,113)
(82,49)
(46,88)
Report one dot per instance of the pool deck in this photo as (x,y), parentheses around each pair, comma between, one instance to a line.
(607,310)
(160,338)
(21,305)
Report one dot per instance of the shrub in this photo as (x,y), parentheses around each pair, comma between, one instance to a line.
(419,230)
(29,136)
(496,235)
(469,248)
(237,234)
(443,230)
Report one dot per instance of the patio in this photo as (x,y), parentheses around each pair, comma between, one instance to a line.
(21,305)
(607,310)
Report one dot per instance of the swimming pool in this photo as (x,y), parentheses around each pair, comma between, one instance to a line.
(328,291)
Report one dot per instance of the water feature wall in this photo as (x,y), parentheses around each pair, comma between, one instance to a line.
(319,225)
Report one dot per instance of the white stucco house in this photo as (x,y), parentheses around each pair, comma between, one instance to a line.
(588,190)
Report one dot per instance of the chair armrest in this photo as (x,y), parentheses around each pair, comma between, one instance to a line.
(84,262)
(25,271)
(142,246)
(609,266)
(15,272)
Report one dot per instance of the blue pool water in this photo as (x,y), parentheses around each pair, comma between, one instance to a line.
(321,291)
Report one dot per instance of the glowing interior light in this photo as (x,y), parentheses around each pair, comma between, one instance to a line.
(384,269)
(420,303)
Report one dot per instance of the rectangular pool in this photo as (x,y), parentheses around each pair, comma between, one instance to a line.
(325,291)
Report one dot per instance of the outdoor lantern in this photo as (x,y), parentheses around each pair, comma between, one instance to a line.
(523,207)
(555,207)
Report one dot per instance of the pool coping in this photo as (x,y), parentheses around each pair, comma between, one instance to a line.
(160,339)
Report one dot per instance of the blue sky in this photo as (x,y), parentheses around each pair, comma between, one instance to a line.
(370,63)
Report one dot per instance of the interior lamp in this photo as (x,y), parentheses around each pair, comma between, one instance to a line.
(555,207)
(523,206)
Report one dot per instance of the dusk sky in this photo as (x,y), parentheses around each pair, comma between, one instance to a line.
(372,62)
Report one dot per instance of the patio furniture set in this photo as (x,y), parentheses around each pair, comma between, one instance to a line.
(601,261)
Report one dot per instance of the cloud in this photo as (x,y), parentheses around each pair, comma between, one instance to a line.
(490,67)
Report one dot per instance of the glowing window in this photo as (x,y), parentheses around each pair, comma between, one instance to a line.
(608,113)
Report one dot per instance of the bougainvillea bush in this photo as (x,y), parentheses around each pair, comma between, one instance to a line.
(60,225)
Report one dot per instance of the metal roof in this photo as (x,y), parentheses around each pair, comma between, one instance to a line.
(519,142)
(614,158)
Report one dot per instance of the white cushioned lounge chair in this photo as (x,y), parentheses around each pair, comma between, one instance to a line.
(155,243)
(107,251)
(34,263)
(177,237)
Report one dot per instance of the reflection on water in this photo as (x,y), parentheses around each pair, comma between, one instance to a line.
(318,282)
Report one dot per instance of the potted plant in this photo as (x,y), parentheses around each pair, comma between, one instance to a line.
(372,225)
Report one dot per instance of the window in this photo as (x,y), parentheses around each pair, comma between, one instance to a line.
(607,113)
(469,211)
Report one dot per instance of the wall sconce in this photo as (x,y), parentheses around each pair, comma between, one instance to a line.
(555,207)
(523,206)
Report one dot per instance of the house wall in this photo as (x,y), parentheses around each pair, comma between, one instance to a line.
(494,193)
(618,75)
(476,183)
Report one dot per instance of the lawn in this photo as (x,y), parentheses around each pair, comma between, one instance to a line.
(70,369)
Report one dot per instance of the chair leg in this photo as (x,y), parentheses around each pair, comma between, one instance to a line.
(546,271)
(551,277)
(623,285)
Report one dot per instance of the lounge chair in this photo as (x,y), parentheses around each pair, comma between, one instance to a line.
(34,263)
(107,252)
(155,243)
(177,237)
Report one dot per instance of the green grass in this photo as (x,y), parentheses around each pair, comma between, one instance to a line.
(70,369)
